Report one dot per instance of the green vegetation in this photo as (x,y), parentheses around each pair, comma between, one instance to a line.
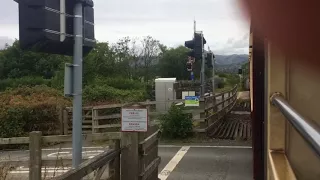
(229,81)
(27,109)
(176,124)
(31,84)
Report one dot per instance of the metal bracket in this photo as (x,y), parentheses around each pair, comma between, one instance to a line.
(273,95)
(69,79)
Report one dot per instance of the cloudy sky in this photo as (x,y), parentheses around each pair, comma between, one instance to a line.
(170,21)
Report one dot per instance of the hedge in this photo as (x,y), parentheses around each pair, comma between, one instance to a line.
(24,81)
(27,109)
(105,93)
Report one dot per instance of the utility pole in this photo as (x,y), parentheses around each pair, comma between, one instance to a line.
(202,75)
(213,72)
(194,31)
(77,87)
(197,52)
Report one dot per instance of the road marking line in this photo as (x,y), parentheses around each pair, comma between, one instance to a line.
(47,168)
(53,149)
(164,174)
(199,146)
(43,171)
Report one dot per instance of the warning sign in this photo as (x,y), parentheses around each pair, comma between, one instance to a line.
(134,119)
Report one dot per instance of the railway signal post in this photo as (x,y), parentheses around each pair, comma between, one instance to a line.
(70,32)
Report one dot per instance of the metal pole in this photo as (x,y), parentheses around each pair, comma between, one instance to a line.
(202,68)
(77,87)
(213,74)
(309,131)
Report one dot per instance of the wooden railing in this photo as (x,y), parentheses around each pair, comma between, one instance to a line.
(215,108)
(36,142)
(106,118)
(139,156)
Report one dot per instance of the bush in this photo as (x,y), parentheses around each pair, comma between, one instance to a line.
(233,79)
(219,83)
(175,124)
(27,109)
(119,83)
(24,81)
(57,81)
(105,93)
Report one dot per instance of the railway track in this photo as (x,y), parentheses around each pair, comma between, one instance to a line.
(233,126)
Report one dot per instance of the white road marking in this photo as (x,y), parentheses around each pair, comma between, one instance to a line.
(164,174)
(57,149)
(43,170)
(69,153)
(199,146)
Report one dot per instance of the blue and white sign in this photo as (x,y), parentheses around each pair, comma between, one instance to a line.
(192,100)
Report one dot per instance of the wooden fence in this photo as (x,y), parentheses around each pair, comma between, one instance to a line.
(106,118)
(218,106)
(139,158)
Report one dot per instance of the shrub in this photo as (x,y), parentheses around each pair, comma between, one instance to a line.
(57,81)
(175,124)
(105,93)
(24,81)
(233,79)
(219,83)
(119,83)
(27,109)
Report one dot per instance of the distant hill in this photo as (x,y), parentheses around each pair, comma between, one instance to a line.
(231,59)
(223,63)
(230,63)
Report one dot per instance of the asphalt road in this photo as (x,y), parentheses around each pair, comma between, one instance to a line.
(207,163)
(183,162)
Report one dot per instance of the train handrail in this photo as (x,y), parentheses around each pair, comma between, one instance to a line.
(309,131)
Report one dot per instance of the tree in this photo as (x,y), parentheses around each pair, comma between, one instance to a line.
(173,63)
(149,55)
(99,62)
(16,63)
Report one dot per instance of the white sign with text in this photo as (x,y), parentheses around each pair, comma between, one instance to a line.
(134,119)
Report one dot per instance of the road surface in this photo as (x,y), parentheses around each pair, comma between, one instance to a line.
(178,162)
(205,163)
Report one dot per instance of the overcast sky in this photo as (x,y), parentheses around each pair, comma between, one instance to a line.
(169,21)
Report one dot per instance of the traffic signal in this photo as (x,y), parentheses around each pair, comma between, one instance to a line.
(209,60)
(189,66)
(196,44)
(47,26)
(239,71)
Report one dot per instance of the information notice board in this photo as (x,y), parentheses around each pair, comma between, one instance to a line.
(134,120)
(192,101)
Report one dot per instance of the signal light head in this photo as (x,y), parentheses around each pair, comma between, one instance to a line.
(191,53)
(189,44)
(189,66)
(196,44)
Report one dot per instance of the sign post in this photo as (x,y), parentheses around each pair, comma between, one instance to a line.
(68,29)
(77,87)
(134,119)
